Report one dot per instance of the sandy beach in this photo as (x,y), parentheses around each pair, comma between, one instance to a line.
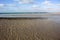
(29,29)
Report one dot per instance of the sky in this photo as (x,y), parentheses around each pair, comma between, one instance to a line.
(29,5)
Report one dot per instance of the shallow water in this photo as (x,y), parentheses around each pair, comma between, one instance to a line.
(55,18)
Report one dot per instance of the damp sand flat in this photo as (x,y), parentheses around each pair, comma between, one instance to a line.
(29,29)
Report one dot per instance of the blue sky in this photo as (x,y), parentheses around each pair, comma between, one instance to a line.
(29,5)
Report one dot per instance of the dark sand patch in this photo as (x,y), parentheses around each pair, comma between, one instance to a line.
(29,29)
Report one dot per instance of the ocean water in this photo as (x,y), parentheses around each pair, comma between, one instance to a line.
(55,18)
(24,13)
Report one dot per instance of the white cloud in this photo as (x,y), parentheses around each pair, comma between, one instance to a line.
(7,7)
(24,1)
(36,7)
(1,5)
(57,4)
(10,5)
(49,6)
(16,0)
(47,3)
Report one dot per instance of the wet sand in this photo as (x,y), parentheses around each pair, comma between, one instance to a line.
(29,29)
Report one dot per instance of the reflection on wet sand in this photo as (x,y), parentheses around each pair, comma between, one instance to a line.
(29,29)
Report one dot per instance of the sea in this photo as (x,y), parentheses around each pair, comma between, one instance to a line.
(55,18)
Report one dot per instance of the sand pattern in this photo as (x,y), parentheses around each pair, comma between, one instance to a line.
(29,29)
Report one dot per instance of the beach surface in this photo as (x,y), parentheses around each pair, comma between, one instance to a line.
(29,29)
